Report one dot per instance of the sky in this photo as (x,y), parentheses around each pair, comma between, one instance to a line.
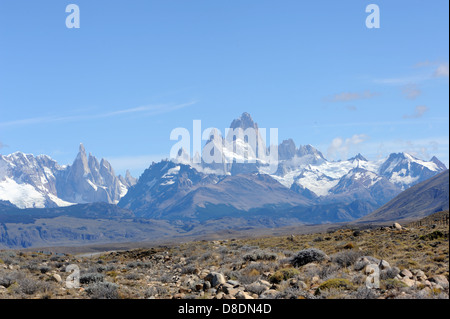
(135,70)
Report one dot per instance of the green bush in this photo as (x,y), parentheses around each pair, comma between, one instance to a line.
(283,274)
(434,235)
(336,283)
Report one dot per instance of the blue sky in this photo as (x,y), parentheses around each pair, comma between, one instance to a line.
(135,70)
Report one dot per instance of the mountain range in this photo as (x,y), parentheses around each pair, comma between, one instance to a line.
(29,181)
(40,199)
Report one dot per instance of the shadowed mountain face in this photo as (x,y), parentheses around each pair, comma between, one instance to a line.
(169,190)
(423,199)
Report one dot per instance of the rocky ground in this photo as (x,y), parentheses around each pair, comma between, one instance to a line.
(412,262)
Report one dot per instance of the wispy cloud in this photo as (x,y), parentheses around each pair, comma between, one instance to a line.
(419,111)
(351,96)
(403,80)
(411,91)
(148,110)
(425,71)
(2,145)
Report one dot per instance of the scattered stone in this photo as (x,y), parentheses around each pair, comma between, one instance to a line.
(243,295)
(234,283)
(408,282)
(384,265)
(440,280)
(406,273)
(56,278)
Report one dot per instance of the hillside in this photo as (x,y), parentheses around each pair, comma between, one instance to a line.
(418,201)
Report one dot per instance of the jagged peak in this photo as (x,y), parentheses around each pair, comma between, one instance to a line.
(81,149)
(244,122)
(358,157)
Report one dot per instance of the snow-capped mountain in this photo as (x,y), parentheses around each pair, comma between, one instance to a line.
(307,172)
(29,181)
(405,170)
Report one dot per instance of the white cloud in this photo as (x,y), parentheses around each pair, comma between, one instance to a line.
(441,71)
(340,148)
(419,111)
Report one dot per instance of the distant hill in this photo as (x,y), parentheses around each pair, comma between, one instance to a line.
(423,199)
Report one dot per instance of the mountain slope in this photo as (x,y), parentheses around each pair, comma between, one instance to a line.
(423,199)
(169,190)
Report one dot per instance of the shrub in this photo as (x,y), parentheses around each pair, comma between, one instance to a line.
(307,256)
(432,236)
(349,246)
(29,286)
(44,269)
(389,273)
(91,278)
(335,283)
(259,255)
(394,284)
(283,274)
(103,290)
(346,258)
(9,279)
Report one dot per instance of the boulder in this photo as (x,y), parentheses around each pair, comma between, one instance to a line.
(406,273)
(215,279)
(397,226)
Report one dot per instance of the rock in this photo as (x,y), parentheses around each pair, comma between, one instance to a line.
(264,283)
(198,287)
(397,226)
(419,274)
(243,295)
(206,285)
(440,280)
(362,262)
(270,294)
(406,273)
(234,283)
(408,282)
(232,291)
(56,278)
(315,280)
(220,295)
(384,265)
(215,279)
